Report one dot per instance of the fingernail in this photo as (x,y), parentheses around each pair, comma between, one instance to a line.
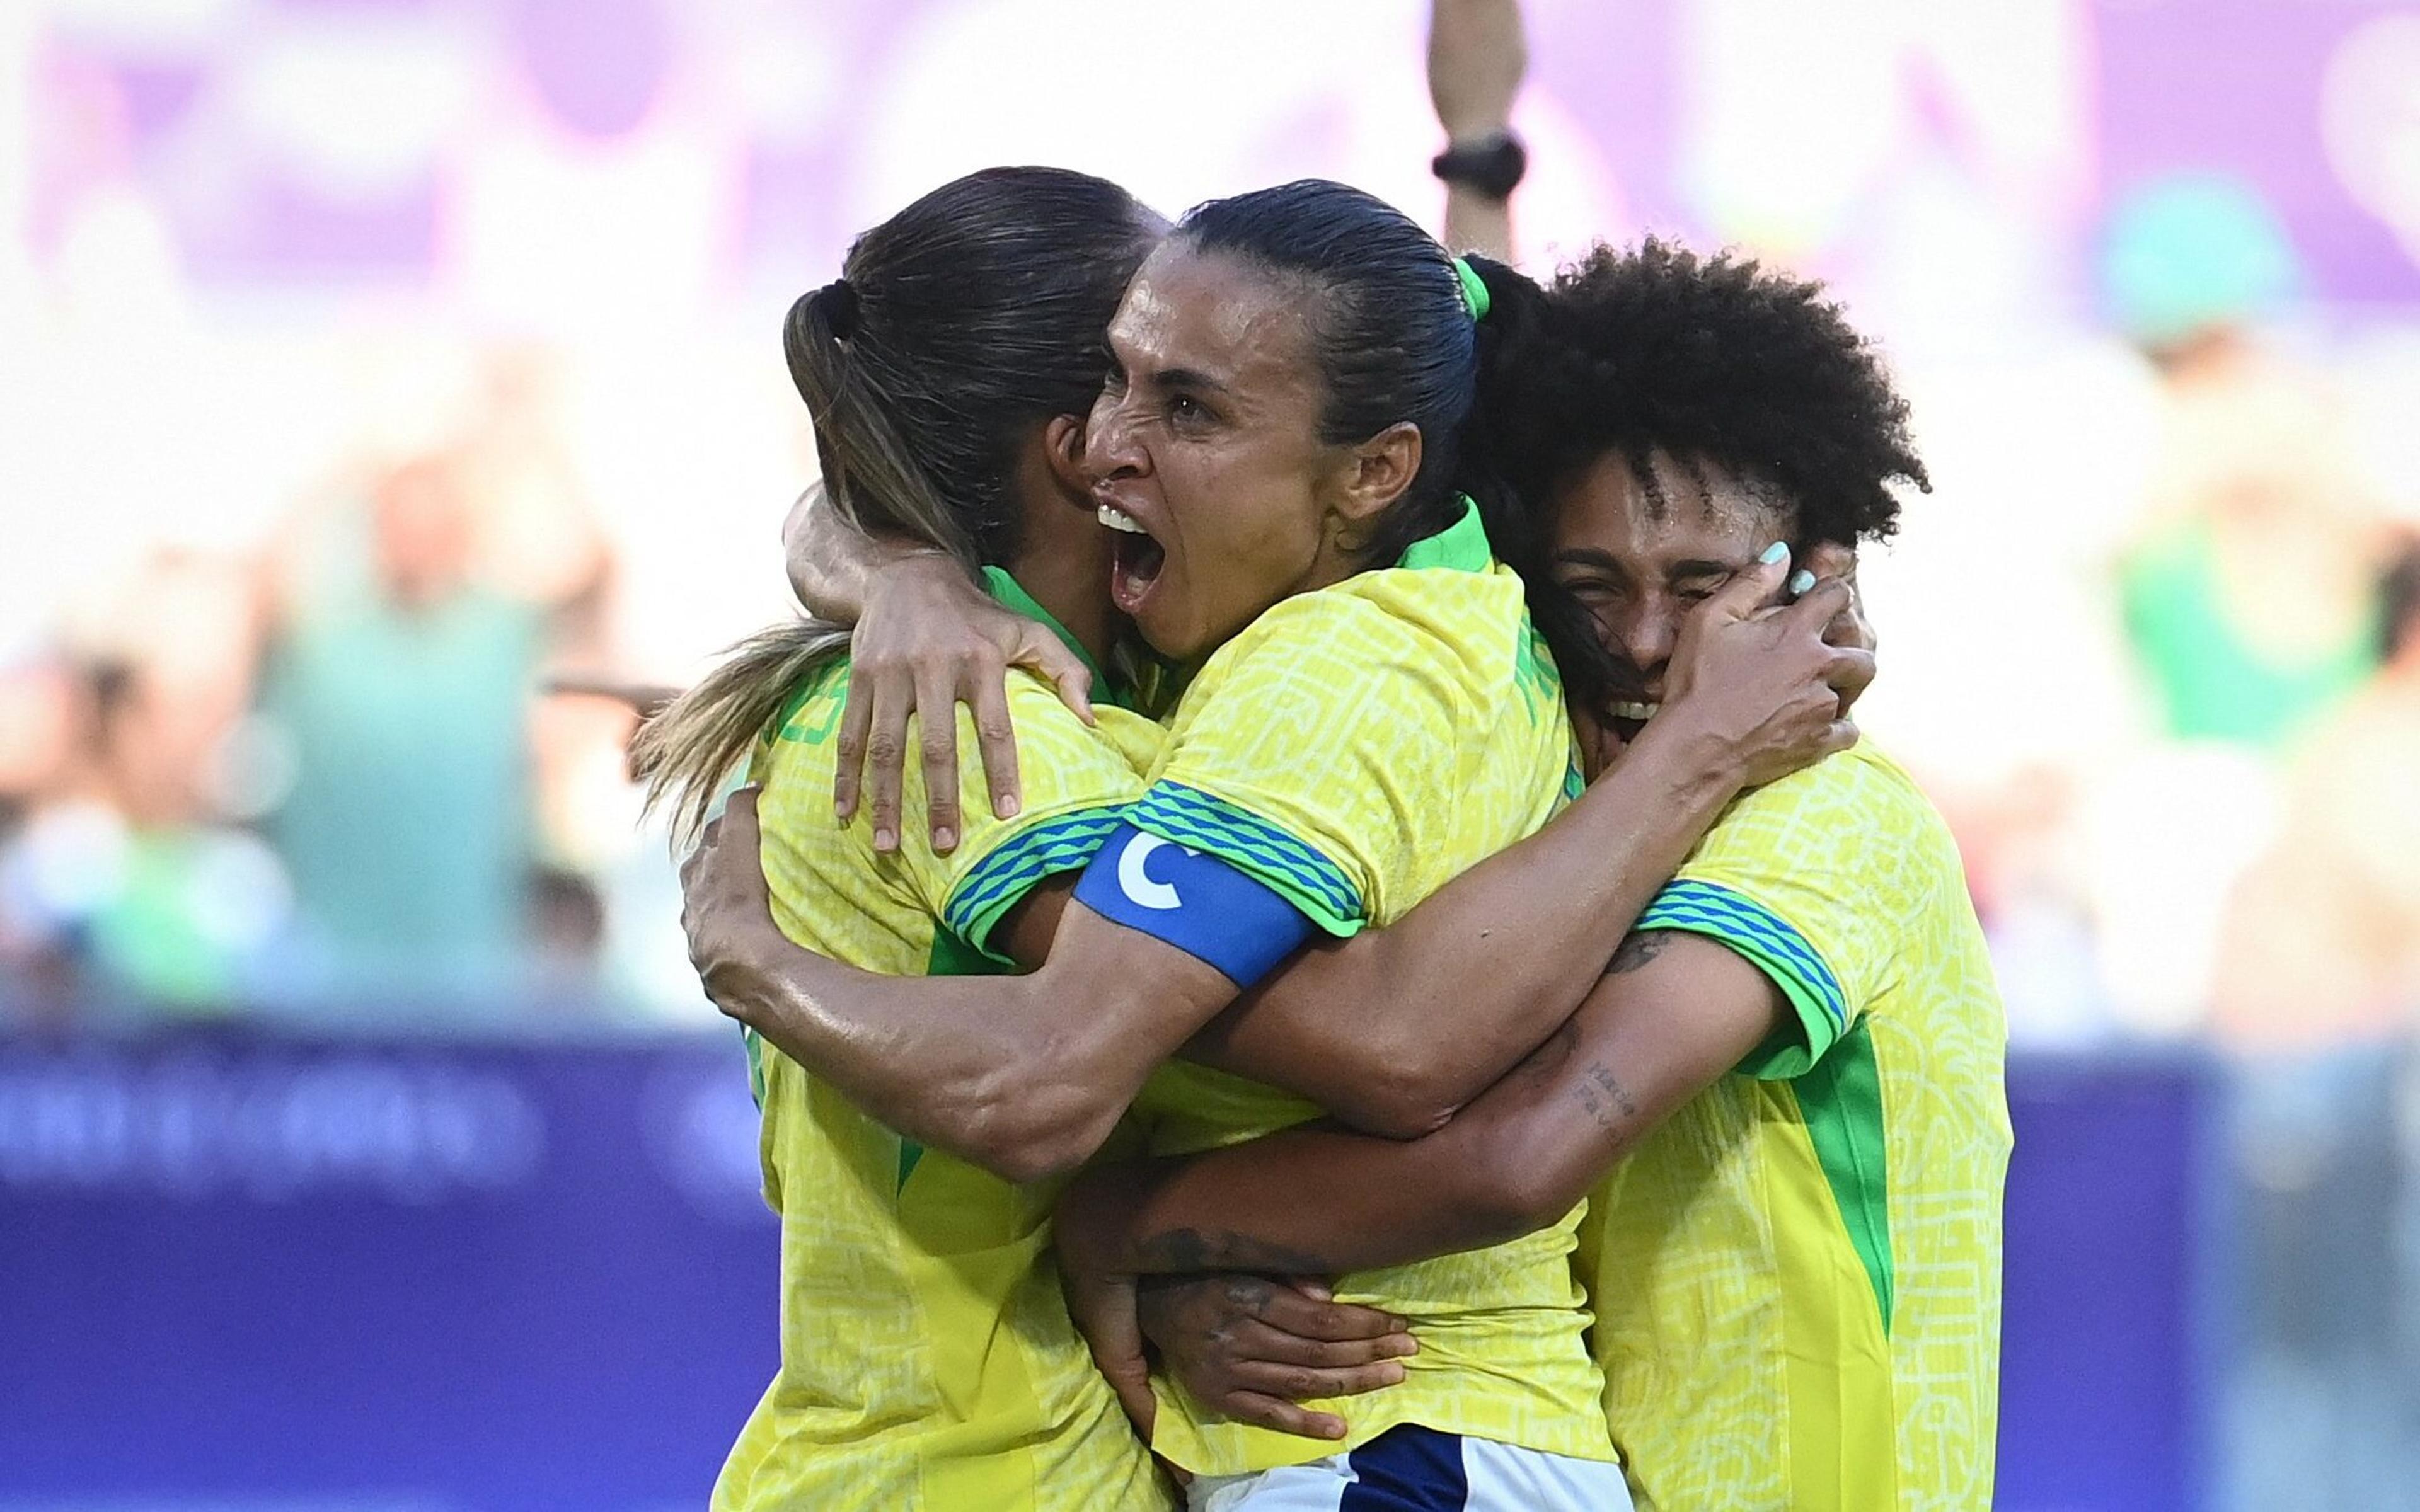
(1009,806)
(1777,551)
(1401,1325)
(1801,581)
(1410,1347)
(1394,1375)
(945,838)
(884,840)
(1332,1431)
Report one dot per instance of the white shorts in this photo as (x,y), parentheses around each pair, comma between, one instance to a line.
(1413,1468)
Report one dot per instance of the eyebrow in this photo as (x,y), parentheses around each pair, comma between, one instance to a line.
(1586,556)
(1186,377)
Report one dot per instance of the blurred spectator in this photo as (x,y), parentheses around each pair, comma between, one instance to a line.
(2248,599)
(126,876)
(401,684)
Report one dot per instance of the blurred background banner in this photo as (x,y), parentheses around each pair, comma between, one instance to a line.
(364,362)
(249,1271)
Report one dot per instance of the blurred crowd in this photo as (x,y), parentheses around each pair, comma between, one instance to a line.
(319,773)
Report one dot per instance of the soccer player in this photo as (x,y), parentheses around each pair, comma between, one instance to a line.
(1785,1096)
(1290,371)
(927,1359)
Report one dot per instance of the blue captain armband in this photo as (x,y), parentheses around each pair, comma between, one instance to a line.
(1205,906)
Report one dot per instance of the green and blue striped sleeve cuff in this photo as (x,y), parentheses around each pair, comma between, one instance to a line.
(1251,844)
(1776,948)
(1010,870)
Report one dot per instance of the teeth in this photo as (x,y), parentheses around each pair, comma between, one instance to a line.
(1637,711)
(1118,520)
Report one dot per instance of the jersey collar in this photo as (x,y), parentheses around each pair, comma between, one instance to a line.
(1461,546)
(1007,592)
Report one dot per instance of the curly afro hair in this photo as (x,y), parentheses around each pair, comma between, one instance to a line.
(1706,362)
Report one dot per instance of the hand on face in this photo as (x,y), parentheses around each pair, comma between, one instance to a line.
(1755,678)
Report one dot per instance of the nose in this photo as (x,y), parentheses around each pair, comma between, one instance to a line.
(1113,446)
(1647,631)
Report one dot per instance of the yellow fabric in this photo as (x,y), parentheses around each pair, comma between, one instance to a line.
(1397,727)
(1750,1362)
(927,1359)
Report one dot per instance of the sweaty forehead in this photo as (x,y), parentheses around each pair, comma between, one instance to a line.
(1677,509)
(1216,314)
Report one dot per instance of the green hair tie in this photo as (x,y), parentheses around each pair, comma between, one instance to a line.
(1474,288)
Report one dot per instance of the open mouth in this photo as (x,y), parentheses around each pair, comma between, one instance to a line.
(1630,715)
(1136,558)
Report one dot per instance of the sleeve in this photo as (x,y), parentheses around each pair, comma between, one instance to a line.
(1316,754)
(1077,781)
(1814,879)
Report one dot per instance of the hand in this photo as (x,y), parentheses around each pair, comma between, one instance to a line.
(727,908)
(1477,57)
(1849,627)
(929,640)
(1755,681)
(1252,1347)
(1104,1309)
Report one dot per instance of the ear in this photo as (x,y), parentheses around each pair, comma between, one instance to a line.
(1062,451)
(1378,471)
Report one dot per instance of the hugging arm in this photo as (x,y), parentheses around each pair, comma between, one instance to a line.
(1672,1012)
(926,638)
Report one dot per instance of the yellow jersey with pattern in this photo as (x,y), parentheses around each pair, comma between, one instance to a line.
(1355,748)
(927,1358)
(1797,1277)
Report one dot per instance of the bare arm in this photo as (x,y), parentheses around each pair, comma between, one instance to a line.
(1023,1075)
(1674,1013)
(1477,57)
(1505,951)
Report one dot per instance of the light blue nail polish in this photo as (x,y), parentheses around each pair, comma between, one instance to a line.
(1800,581)
(1777,551)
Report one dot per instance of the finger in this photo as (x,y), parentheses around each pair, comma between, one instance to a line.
(993,736)
(1849,671)
(1046,653)
(1752,587)
(737,823)
(1842,735)
(848,749)
(1267,1412)
(1289,1311)
(1256,1340)
(936,722)
(886,757)
(1820,604)
(1299,1383)
(1830,559)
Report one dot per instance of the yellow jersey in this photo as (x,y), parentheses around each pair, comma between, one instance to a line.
(1797,1277)
(1354,748)
(927,1358)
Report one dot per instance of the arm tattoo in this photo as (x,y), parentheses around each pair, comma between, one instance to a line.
(1603,1097)
(1636,952)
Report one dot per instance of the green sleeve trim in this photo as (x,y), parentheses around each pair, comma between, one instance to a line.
(754,1043)
(1774,945)
(1840,1098)
(1244,839)
(1010,870)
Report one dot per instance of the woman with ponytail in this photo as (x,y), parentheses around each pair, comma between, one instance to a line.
(928,1360)
(1284,456)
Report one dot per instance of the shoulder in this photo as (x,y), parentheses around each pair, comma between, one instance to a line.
(1450,631)
(1853,830)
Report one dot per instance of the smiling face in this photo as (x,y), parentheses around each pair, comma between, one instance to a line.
(1638,559)
(1207,451)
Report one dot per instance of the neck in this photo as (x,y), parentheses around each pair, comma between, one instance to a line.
(1071,580)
